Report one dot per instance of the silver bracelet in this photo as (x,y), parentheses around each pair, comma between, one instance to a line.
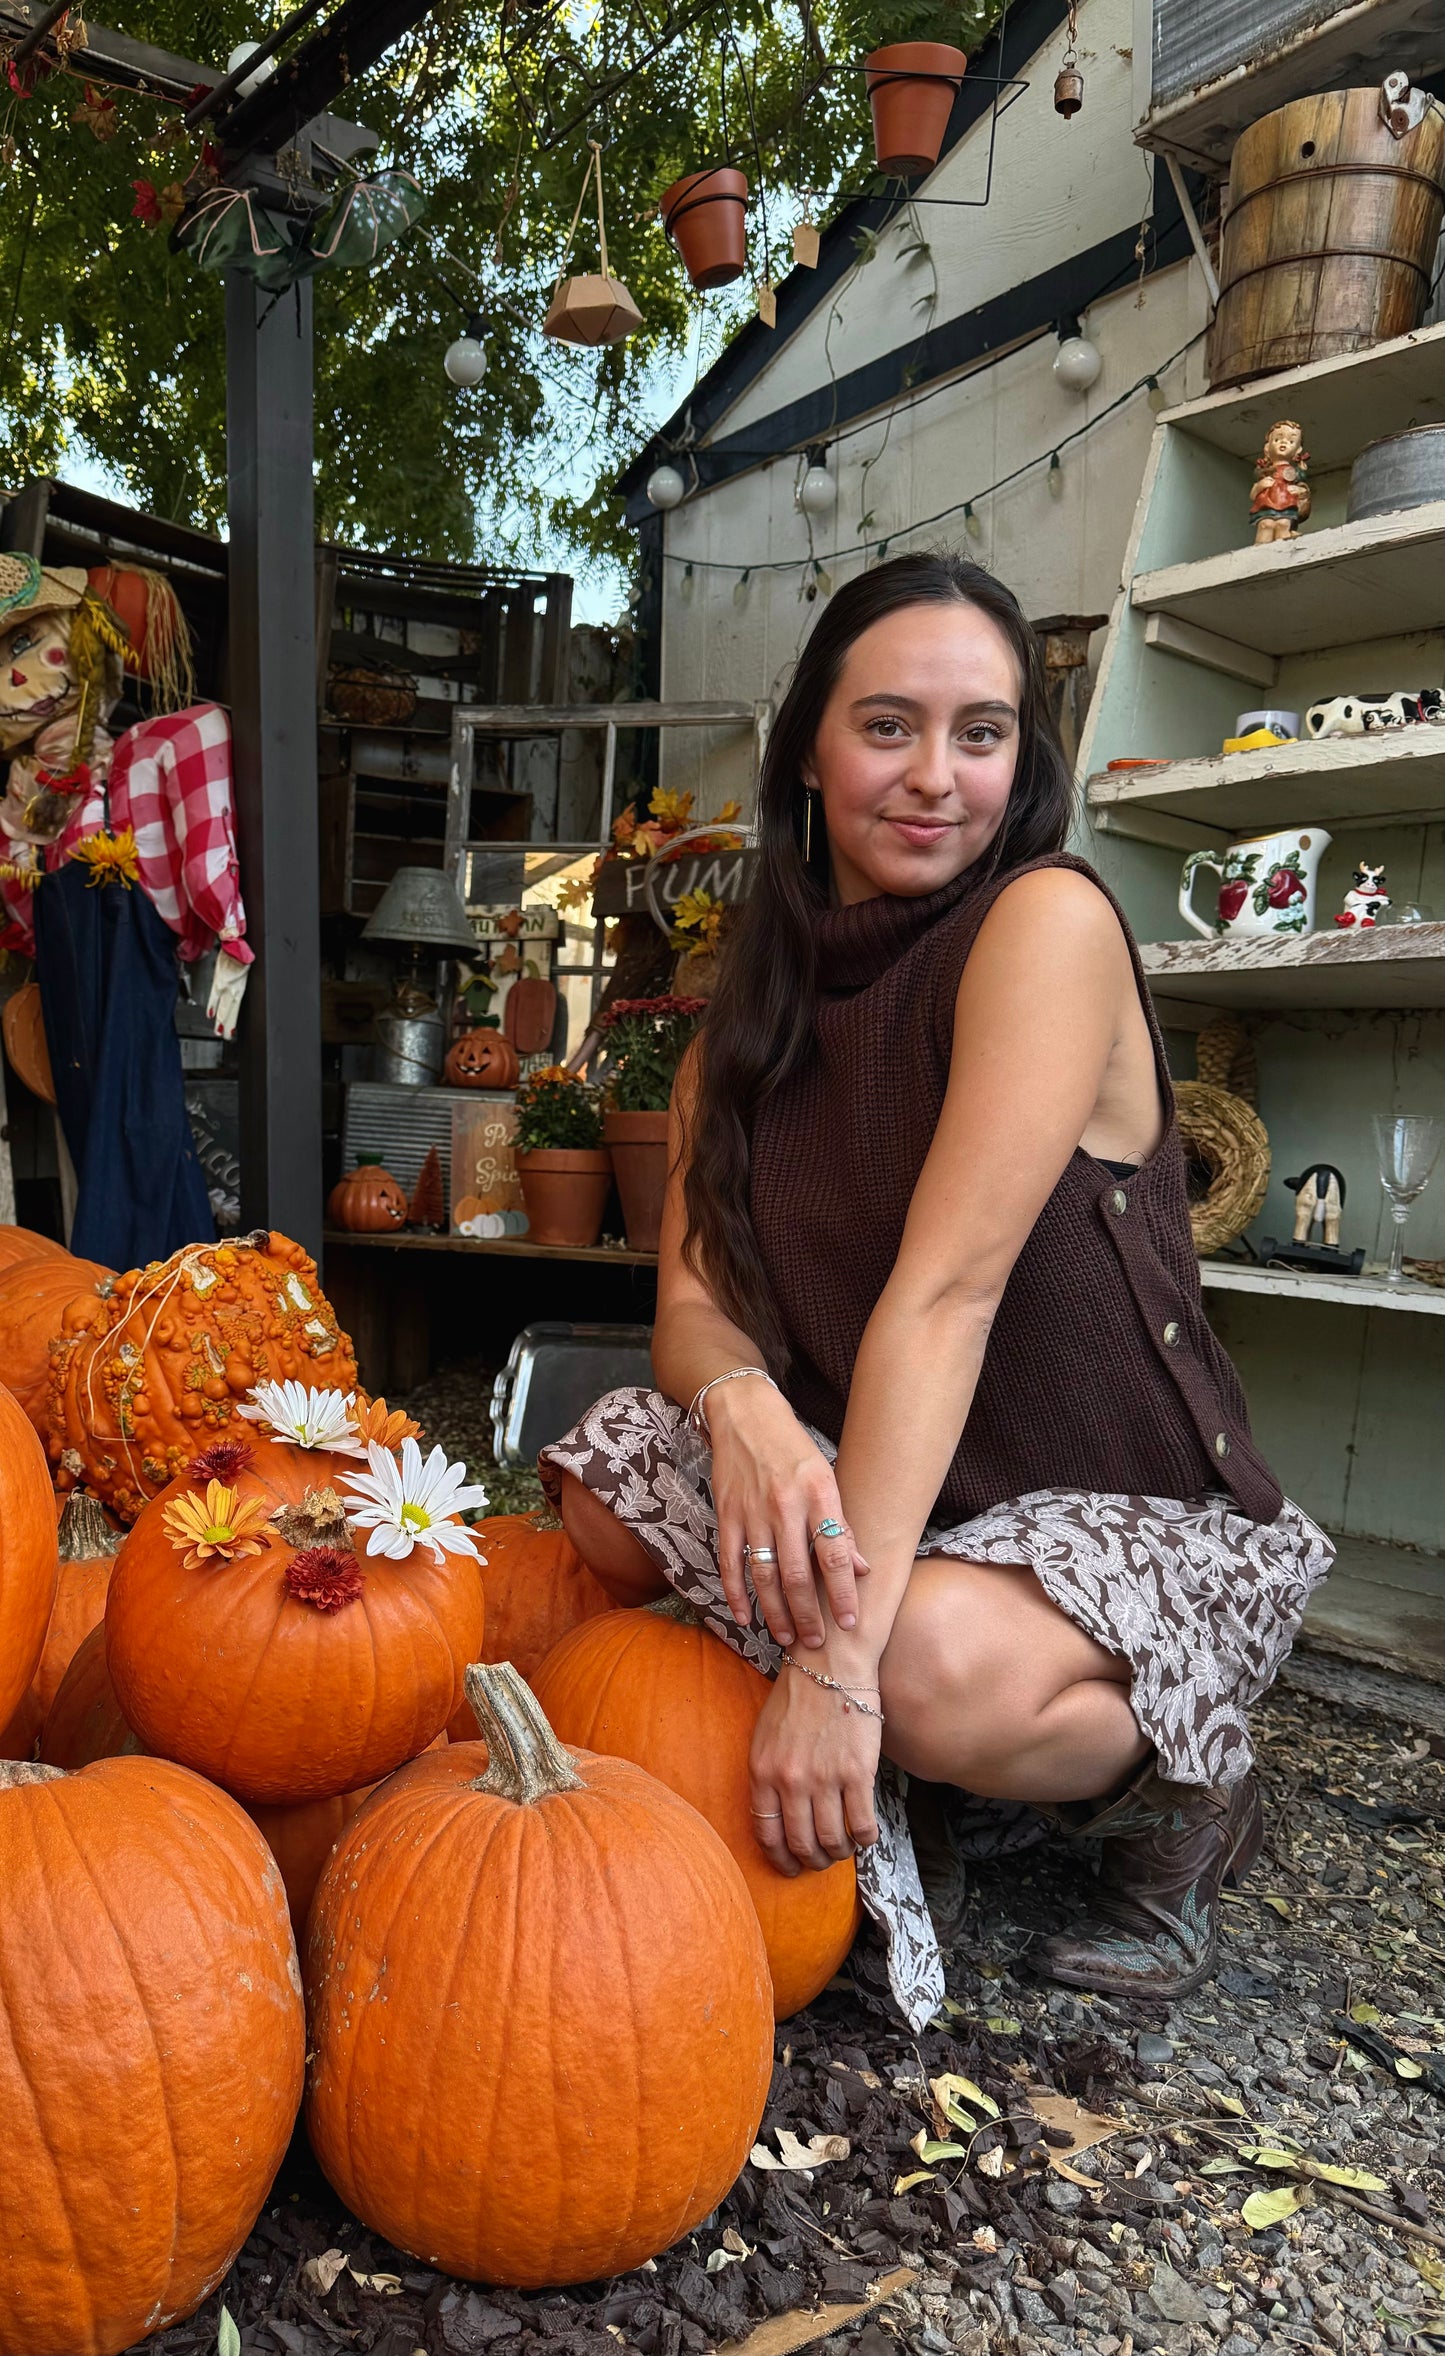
(695,1414)
(834,1685)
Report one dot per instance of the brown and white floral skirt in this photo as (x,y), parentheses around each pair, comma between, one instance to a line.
(1202,1603)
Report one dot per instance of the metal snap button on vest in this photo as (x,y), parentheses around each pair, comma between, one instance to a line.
(1171,1334)
(1120,1201)
(1221,1443)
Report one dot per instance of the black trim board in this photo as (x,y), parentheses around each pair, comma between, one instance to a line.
(1006,319)
(1022,33)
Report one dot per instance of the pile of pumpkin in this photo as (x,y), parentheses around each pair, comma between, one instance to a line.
(263,1675)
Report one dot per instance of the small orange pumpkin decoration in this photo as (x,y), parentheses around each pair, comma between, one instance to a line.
(178,1347)
(85,1721)
(258,1648)
(538,1588)
(368,1201)
(606,2013)
(644,1685)
(29,1562)
(150,2100)
(481,1058)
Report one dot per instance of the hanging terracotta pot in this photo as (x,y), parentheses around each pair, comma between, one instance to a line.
(637,1143)
(705,215)
(481,1058)
(369,1201)
(565,1189)
(911,89)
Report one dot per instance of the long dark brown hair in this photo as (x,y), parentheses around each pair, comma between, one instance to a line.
(759,1027)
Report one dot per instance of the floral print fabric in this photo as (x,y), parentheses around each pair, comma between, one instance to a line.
(1203,1604)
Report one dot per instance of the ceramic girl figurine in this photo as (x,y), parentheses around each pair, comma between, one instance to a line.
(1280,500)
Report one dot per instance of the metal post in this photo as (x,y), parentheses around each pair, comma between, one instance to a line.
(273,713)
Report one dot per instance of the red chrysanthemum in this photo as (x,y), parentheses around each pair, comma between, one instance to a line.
(324,1576)
(222,1461)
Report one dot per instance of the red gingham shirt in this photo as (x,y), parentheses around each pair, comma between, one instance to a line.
(170,783)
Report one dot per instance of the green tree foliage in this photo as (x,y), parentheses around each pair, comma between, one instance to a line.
(110,340)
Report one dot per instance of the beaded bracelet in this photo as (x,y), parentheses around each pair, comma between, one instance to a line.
(834,1685)
(695,1415)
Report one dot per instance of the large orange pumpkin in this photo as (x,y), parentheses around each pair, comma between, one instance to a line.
(655,1687)
(42,1298)
(538,1587)
(276,1695)
(22,1243)
(29,1561)
(18,1739)
(150,2083)
(573,2048)
(85,1721)
(302,1837)
(182,1343)
(89,1544)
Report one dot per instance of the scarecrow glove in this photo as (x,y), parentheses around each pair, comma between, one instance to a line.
(228,988)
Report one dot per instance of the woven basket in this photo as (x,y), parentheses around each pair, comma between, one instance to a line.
(371,694)
(1224,1056)
(1222,1132)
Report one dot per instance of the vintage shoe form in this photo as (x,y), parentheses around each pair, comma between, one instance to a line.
(1168,1850)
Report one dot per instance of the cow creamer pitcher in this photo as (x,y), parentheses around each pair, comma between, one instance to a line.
(1266,885)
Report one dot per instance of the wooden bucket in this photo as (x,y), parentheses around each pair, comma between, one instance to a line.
(1329,234)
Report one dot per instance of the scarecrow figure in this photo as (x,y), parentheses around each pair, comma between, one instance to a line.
(117,856)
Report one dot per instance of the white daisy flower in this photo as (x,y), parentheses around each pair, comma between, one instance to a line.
(307,1418)
(413,1503)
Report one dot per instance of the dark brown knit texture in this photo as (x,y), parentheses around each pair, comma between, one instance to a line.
(1080,1389)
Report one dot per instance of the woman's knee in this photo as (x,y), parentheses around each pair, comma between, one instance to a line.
(617,1559)
(969,1672)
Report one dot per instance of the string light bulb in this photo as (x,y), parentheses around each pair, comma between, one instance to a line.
(1077,362)
(740,589)
(1157,398)
(686,590)
(263,73)
(1056,477)
(818,489)
(971,523)
(465,360)
(665,487)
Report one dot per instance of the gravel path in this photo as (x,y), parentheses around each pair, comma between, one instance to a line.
(1039,2238)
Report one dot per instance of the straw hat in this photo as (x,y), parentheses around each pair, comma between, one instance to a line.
(28,587)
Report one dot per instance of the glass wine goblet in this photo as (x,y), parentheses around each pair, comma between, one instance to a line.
(1408,1147)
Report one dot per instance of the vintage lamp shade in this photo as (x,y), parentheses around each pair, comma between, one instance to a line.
(422,908)
(591,310)
(665,487)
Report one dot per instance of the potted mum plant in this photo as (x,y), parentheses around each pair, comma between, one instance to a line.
(645,1040)
(565,1170)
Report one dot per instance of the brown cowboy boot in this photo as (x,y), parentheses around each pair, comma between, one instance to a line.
(1168,1848)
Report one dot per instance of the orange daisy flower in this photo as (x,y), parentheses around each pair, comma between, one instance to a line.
(219,1527)
(374,1420)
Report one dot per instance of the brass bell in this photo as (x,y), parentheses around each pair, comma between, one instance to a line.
(1068,91)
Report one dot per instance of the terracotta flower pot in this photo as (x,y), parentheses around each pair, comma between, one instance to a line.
(565,1189)
(637,1143)
(705,215)
(911,89)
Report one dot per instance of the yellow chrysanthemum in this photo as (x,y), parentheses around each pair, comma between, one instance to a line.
(219,1527)
(111,858)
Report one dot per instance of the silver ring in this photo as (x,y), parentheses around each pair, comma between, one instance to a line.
(829,1529)
(767,1815)
(759,1554)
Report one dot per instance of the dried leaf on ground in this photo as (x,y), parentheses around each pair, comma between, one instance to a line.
(1269,2208)
(793,2153)
(318,2275)
(781,2334)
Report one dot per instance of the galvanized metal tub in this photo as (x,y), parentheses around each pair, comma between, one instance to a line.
(1401,470)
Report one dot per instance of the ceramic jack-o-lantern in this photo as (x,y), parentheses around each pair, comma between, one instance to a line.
(369,1202)
(482,1058)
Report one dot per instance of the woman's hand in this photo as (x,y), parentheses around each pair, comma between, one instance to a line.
(811,1770)
(772,1488)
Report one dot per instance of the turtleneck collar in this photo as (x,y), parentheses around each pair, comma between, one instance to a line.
(855,945)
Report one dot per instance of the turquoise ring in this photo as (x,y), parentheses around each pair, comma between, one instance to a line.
(829,1529)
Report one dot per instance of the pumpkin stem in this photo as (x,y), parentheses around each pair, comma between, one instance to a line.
(14,1772)
(674,1607)
(84,1531)
(525,1763)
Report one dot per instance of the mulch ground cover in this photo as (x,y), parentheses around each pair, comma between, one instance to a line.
(1087,2187)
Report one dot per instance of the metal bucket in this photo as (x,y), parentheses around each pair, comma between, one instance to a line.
(410,1048)
(1402,470)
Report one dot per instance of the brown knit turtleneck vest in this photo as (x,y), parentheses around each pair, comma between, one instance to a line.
(1101,1371)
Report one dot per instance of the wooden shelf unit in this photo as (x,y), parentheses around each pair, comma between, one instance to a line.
(1299,1284)
(1344,783)
(1380,577)
(1393,966)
